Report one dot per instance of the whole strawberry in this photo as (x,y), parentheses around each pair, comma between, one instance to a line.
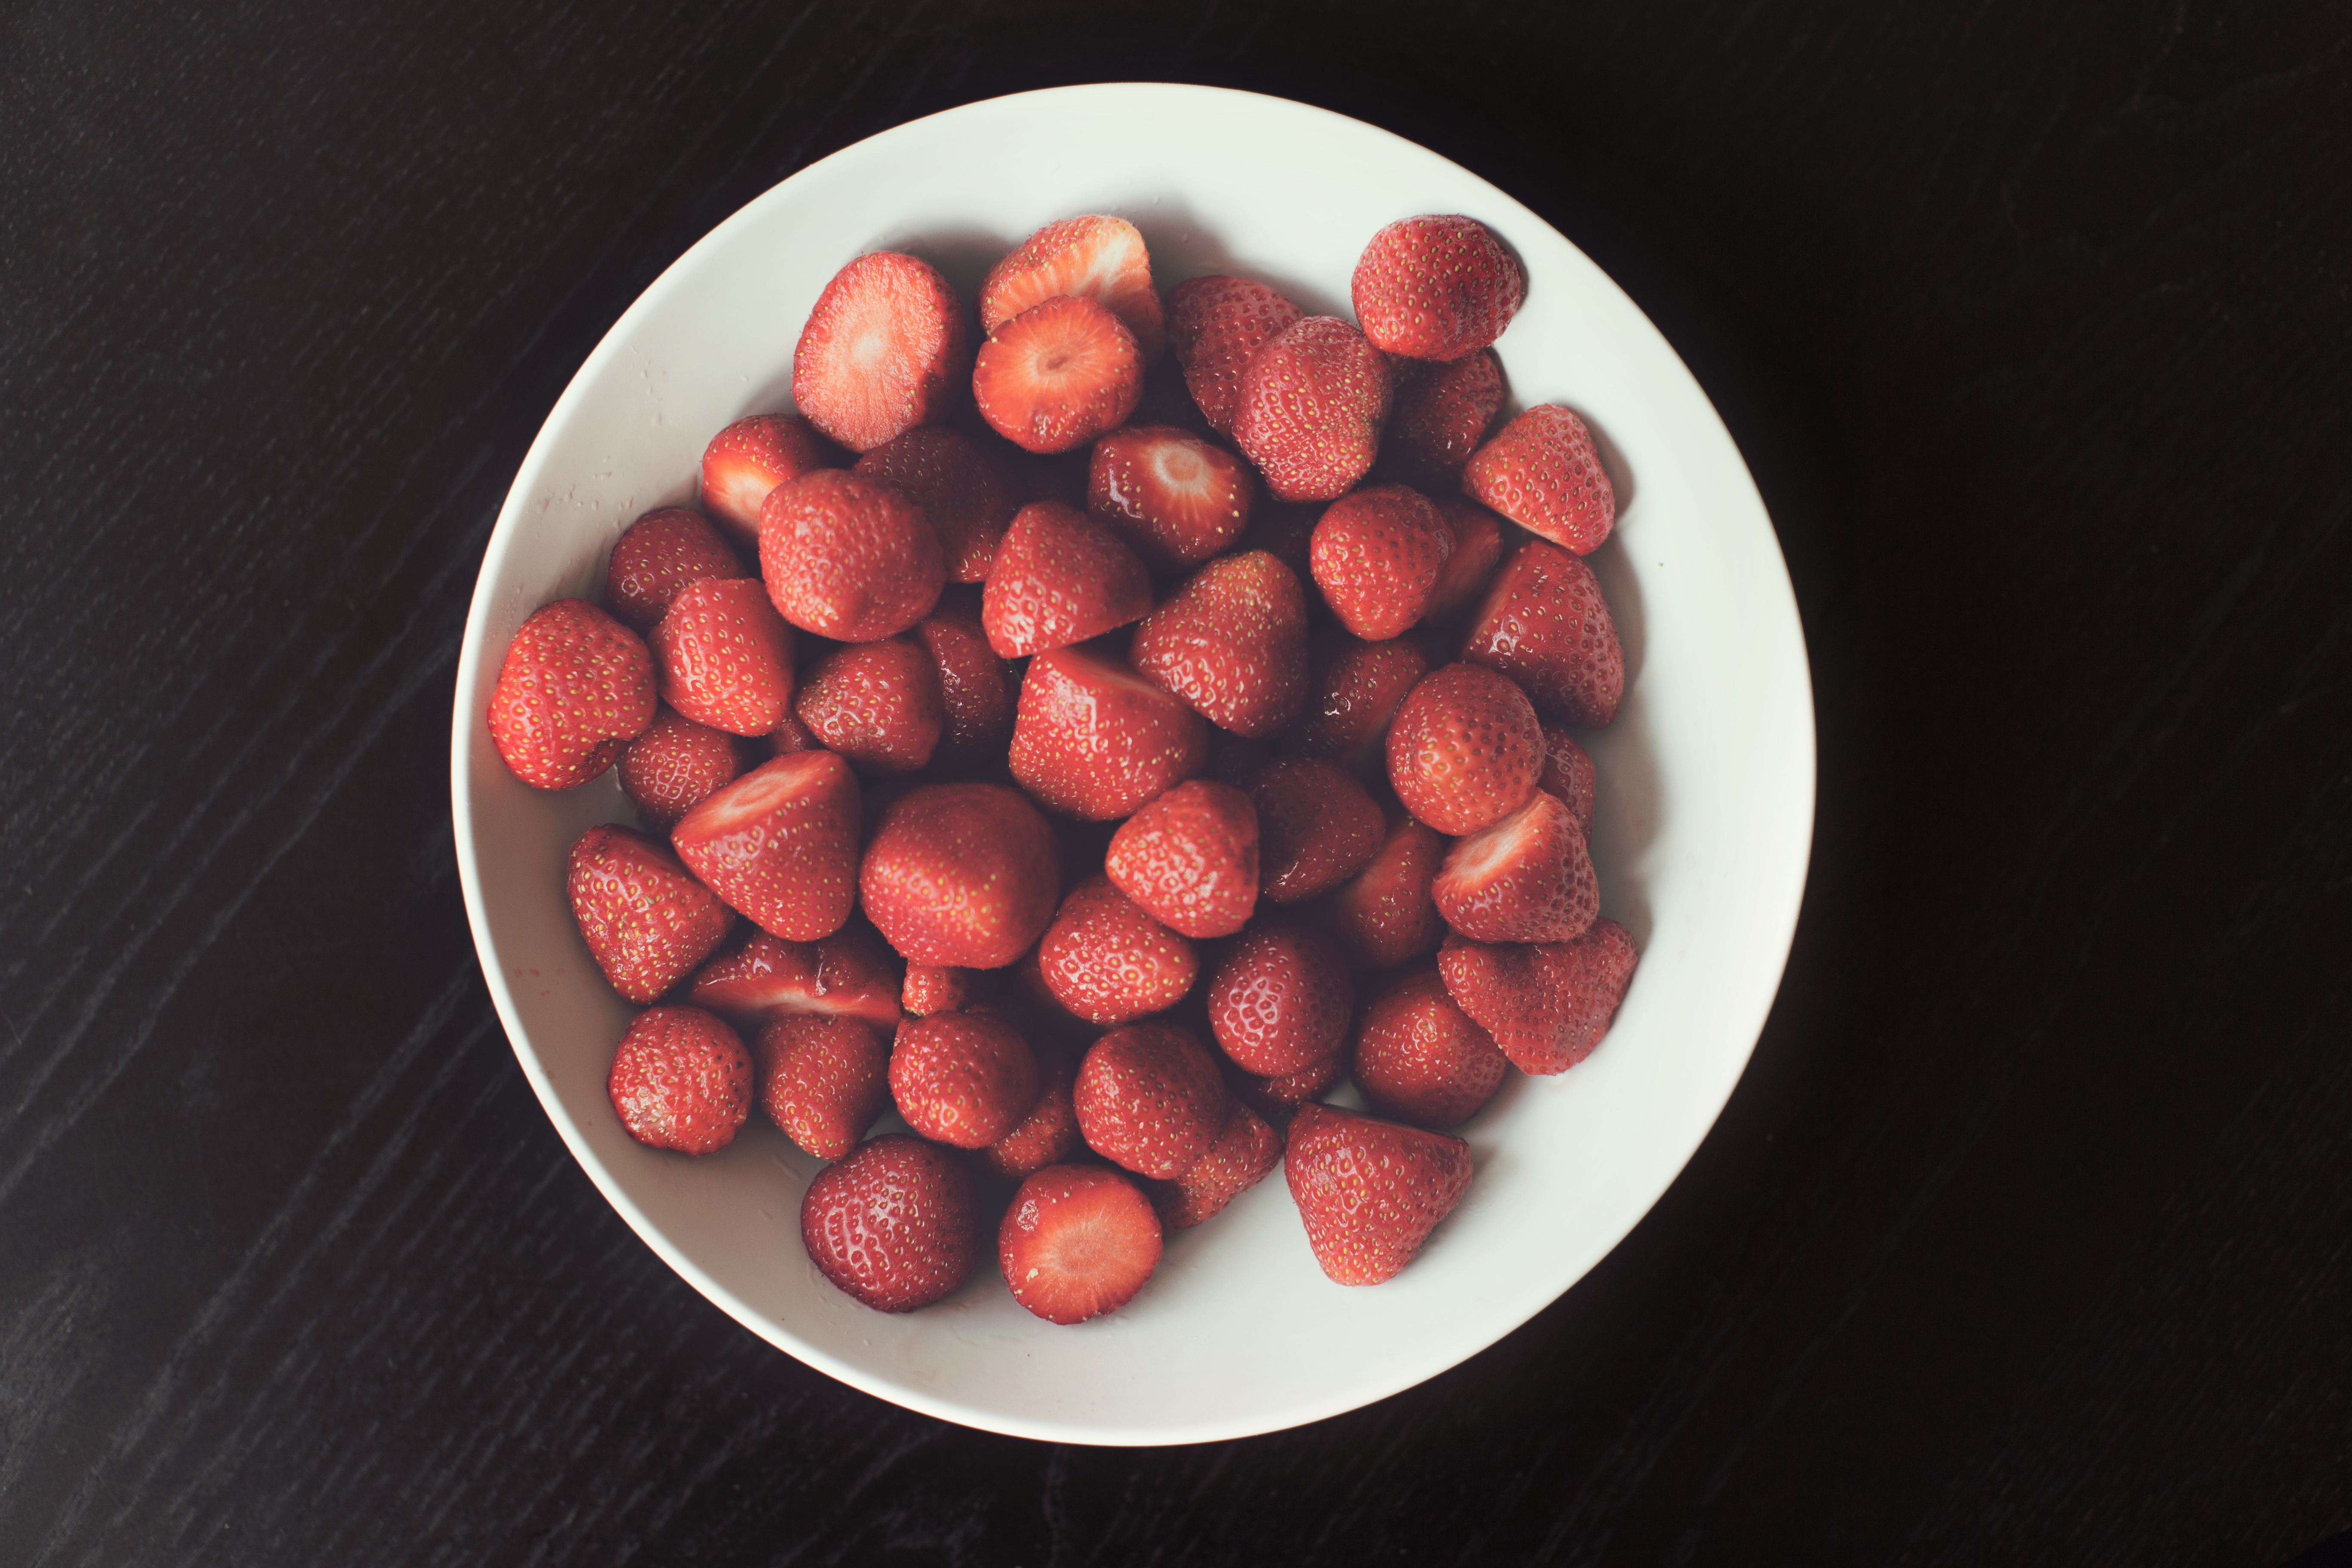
(1568,773)
(877,703)
(780,844)
(1370,1191)
(1359,687)
(894,1224)
(681,1080)
(1108,961)
(1544,473)
(1436,287)
(822,1079)
(1384,914)
(646,921)
(962,1079)
(883,351)
(961,874)
(1094,740)
(1317,828)
(1216,327)
(1377,554)
(1148,1098)
(1420,1059)
(575,689)
(975,687)
(1546,1004)
(1049,1133)
(1466,749)
(1232,642)
(667,771)
(1191,859)
(1246,1153)
(1312,405)
(1060,577)
(964,488)
(847,557)
(1441,415)
(726,656)
(1545,624)
(1279,998)
(751,457)
(656,557)
(1477,550)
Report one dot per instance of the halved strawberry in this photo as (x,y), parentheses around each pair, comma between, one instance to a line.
(1078,1241)
(1312,403)
(751,458)
(1377,554)
(1545,624)
(849,975)
(823,1080)
(1096,257)
(1466,749)
(975,687)
(1479,545)
(575,689)
(1441,414)
(1544,473)
(1385,914)
(1436,287)
(1246,1153)
(964,490)
(895,1224)
(1317,827)
(1190,858)
(656,557)
(1148,1098)
(962,1079)
(1060,577)
(1233,642)
(1370,1191)
(647,922)
(726,656)
(1279,998)
(1216,327)
(1057,375)
(1094,740)
(847,557)
(681,1080)
(1108,961)
(1049,1133)
(1567,772)
(677,761)
(780,844)
(1359,687)
(1419,1059)
(1176,499)
(877,703)
(961,874)
(883,351)
(1527,879)
(1547,1004)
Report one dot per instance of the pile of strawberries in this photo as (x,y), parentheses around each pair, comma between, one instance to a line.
(1105,759)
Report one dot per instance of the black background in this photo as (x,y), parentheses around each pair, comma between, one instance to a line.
(2027,1235)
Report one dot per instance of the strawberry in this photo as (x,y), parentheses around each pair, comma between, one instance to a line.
(1546,1004)
(961,874)
(673,764)
(1527,879)
(1216,327)
(1049,1133)
(1057,375)
(1357,692)
(895,1225)
(1094,740)
(1419,1059)
(680,1081)
(1174,497)
(847,557)
(1060,577)
(823,1080)
(962,1079)
(1028,1005)
(655,558)
(1190,858)
(964,488)
(1278,1097)
(748,459)
(975,687)
(1436,287)
(1441,414)
(726,656)
(1567,772)
(1110,962)
(1312,403)
(1377,554)
(1317,825)
(1385,915)
(1096,257)
(849,975)
(1246,1153)
(943,988)
(1477,547)
(1233,642)
(1078,1241)
(884,351)
(1543,473)
(1148,1098)
(780,844)
(789,736)
(1545,624)
(647,923)
(1466,749)
(1279,998)
(877,703)
(575,689)
(1370,1191)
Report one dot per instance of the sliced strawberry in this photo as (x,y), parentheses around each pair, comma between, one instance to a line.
(1190,858)
(1567,772)
(1544,473)
(823,1080)
(751,457)
(647,922)
(1280,997)
(1359,687)
(1441,414)
(1377,553)
(1419,1059)
(1233,642)
(962,1079)
(1437,287)
(675,762)
(1527,879)
(726,656)
(1278,1097)
(877,703)
(680,1081)
(1095,257)
(1385,914)
(1174,497)
(1246,1153)
(1545,624)
(1148,1098)
(1049,1133)
(1216,327)
(1317,828)
(1078,1241)
(965,490)
(1466,749)
(849,975)
(1060,577)
(780,844)
(1370,1191)
(1312,403)
(1057,375)
(1477,549)
(656,557)
(961,874)
(885,350)
(943,988)
(975,687)
(1094,740)
(849,558)
(575,689)
(895,1225)
(1109,961)
(1546,1004)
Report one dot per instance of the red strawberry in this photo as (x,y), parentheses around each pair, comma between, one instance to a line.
(789,736)
(823,1080)
(883,351)
(1148,1098)
(961,874)
(1567,772)
(1216,325)
(1370,1191)
(1546,1004)
(975,687)
(680,1081)
(1527,879)
(849,975)
(1437,287)
(1078,1241)
(1545,624)
(1057,375)
(1357,692)
(673,764)
(1246,1153)
(943,988)
(1279,998)
(647,923)
(576,687)
(895,1224)
(1377,554)
(780,844)
(1060,577)
(1317,828)
(1477,547)
(1190,858)
(1385,915)
(726,656)
(1233,642)
(1543,473)
(1094,740)
(656,557)
(1466,749)
(1277,1099)
(1312,403)
(964,490)
(847,557)
(962,1079)
(1172,496)
(1419,1059)
(877,703)
(1028,1005)
(1442,414)
(1095,257)
(751,458)
(1108,961)
(1049,1133)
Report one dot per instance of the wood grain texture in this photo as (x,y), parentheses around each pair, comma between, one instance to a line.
(2025,1237)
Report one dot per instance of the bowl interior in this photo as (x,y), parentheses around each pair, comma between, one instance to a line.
(1701,836)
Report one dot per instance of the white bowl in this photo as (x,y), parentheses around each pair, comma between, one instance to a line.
(1706,800)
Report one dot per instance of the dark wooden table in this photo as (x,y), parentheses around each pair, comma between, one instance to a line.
(2026,1236)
